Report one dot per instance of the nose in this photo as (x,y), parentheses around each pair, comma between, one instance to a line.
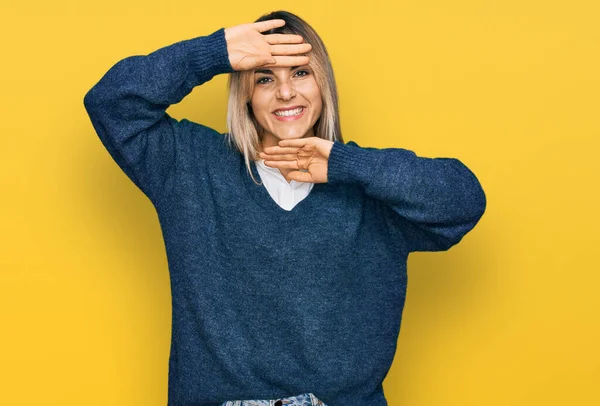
(285,90)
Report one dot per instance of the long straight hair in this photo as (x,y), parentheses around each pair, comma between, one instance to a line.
(244,132)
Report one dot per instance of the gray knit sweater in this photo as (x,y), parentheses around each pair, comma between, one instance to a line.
(269,303)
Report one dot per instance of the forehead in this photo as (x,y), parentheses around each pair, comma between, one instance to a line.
(276,70)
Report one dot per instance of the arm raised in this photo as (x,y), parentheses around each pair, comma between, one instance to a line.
(127,107)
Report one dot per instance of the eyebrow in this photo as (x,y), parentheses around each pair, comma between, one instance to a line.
(270,72)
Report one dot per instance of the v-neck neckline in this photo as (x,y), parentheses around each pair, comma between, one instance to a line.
(263,199)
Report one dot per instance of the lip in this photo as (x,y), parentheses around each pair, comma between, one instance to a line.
(287,108)
(290,118)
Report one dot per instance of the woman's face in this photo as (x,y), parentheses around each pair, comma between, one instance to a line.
(286,102)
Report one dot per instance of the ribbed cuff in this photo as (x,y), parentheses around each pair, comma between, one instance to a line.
(208,55)
(349,164)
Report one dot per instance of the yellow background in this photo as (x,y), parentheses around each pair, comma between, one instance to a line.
(507,317)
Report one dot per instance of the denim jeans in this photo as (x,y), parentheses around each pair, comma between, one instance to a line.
(306,399)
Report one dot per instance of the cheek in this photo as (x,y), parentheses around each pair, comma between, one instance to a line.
(260,99)
(260,106)
(255,104)
(317,102)
(313,94)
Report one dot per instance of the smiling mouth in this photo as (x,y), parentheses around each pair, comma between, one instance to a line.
(289,113)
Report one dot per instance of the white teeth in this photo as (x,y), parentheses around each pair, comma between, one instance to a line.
(288,113)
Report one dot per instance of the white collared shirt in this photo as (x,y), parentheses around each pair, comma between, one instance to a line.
(285,194)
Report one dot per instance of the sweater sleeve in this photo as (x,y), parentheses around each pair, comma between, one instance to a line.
(434,202)
(127,107)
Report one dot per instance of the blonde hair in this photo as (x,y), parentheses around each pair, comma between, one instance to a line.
(243,129)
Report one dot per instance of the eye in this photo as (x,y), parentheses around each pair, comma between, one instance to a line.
(262,80)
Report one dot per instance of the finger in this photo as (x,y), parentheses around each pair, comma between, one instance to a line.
(290,49)
(282,164)
(281,157)
(283,39)
(279,150)
(269,24)
(261,61)
(295,143)
(289,61)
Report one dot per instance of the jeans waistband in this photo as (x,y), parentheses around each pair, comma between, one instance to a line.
(305,399)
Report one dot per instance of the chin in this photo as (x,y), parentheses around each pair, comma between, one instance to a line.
(296,133)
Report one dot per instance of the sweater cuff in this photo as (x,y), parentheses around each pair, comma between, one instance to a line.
(349,163)
(208,55)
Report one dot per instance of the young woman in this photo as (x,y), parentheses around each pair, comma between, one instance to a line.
(289,290)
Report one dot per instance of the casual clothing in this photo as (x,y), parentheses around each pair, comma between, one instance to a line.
(306,399)
(286,195)
(269,303)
